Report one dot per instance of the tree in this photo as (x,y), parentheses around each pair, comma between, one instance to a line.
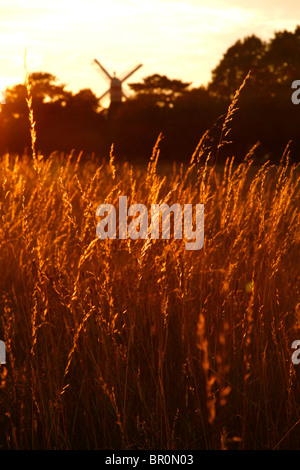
(63,120)
(85,101)
(281,61)
(274,65)
(45,89)
(265,112)
(238,60)
(159,89)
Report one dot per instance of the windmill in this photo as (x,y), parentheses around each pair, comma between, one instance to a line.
(115,90)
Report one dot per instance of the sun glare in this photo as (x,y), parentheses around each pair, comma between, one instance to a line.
(180,39)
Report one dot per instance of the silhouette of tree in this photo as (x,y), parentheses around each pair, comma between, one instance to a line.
(159,89)
(281,61)
(273,65)
(136,125)
(243,56)
(265,111)
(85,100)
(45,89)
(63,121)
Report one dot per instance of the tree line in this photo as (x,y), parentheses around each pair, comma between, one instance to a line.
(264,113)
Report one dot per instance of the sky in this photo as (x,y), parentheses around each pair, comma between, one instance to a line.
(181,39)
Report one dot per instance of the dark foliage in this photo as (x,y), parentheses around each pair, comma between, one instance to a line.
(265,114)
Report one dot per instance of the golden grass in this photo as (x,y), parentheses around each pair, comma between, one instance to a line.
(123,344)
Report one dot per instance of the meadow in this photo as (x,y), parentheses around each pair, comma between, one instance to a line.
(141,344)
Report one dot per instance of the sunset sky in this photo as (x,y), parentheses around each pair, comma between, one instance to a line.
(180,39)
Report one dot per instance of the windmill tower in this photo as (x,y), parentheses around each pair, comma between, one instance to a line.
(115,90)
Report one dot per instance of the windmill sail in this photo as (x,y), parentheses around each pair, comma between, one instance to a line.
(115,91)
(106,74)
(131,73)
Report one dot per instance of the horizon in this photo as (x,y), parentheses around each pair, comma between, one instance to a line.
(184,41)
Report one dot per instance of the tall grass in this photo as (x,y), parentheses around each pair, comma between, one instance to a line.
(122,344)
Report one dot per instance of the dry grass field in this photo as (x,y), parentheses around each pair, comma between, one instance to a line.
(141,344)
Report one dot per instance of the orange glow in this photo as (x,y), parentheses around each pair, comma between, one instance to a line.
(181,39)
